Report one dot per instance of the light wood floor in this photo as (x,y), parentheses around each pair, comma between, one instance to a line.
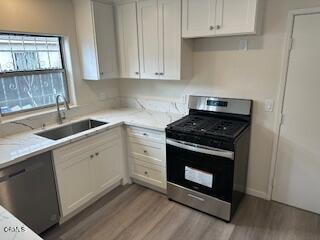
(134,213)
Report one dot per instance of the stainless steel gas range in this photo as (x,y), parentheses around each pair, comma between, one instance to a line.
(207,155)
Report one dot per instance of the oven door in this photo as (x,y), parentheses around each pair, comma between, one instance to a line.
(200,168)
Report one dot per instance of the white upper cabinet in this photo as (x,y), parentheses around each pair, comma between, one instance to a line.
(96,39)
(236,17)
(160,52)
(169,39)
(105,39)
(198,17)
(205,18)
(148,28)
(127,32)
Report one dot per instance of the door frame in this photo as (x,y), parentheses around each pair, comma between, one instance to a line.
(281,93)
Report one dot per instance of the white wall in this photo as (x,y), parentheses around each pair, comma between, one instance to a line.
(53,17)
(220,69)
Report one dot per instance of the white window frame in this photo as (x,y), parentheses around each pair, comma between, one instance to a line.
(38,72)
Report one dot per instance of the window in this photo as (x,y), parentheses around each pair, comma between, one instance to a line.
(32,72)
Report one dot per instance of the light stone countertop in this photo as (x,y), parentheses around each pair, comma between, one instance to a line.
(13,229)
(16,148)
(19,147)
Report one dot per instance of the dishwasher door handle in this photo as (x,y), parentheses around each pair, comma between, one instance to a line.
(11,175)
(17,173)
(20,172)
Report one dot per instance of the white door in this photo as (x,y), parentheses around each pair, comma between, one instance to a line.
(170,39)
(75,182)
(107,165)
(297,174)
(105,40)
(235,16)
(198,18)
(148,39)
(127,27)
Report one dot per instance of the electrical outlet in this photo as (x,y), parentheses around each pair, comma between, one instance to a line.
(268,105)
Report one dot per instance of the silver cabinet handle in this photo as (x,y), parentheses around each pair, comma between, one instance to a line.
(145,151)
(157,73)
(137,73)
(212,28)
(218,27)
(145,173)
(91,156)
(196,197)
(145,134)
(101,73)
(161,73)
(97,154)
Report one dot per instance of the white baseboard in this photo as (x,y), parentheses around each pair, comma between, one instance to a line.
(256,193)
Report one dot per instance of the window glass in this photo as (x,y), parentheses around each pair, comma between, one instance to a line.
(31,72)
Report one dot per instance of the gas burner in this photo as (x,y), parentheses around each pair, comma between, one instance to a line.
(209,125)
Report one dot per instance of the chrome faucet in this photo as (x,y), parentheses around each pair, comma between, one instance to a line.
(61,114)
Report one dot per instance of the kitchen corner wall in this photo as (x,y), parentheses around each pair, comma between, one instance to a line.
(56,17)
(220,69)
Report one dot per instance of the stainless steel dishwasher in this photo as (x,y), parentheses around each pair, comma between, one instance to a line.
(28,191)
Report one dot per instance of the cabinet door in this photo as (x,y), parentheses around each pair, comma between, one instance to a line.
(198,18)
(107,165)
(74,188)
(236,16)
(148,39)
(169,39)
(86,39)
(127,30)
(105,40)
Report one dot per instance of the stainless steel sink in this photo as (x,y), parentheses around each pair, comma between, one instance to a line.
(71,129)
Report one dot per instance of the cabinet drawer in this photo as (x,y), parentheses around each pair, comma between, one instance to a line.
(151,175)
(146,134)
(84,145)
(148,151)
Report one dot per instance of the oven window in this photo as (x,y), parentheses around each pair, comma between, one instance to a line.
(197,176)
(211,175)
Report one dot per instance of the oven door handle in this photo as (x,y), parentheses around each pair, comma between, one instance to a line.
(201,149)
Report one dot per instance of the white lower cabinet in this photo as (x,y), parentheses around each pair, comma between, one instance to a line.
(106,165)
(147,157)
(74,189)
(88,168)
